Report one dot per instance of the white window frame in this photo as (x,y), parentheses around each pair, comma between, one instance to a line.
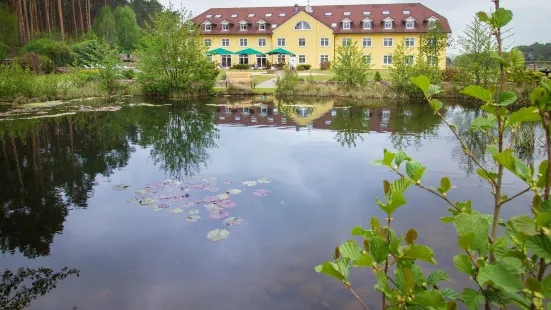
(243,27)
(301,26)
(385,40)
(367,25)
(303,56)
(387,23)
(303,39)
(263,40)
(225,27)
(409,42)
(408,23)
(224,41)
(408,57)
(324,40)
(262,26)
(243,40)
(240,57)
(324,58)
(208,27)
(281,40)
(207,40)
(346,25)
(369,40)
(385,60)
(348,40)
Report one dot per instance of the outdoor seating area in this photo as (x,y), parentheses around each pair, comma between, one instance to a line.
(250,58)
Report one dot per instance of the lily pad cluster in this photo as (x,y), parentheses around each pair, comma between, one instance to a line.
(190,193)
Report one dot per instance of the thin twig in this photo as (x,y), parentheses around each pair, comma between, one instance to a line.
(357,297)
(515,196)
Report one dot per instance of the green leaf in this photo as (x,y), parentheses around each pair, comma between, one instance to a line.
(463,263)
(516,58)
(374,221)
(513,164)
(431,298)
(394,243)
(482,123)
(419,252)
(437,276)
(500,275)
(543,218)
(483,17)
(529,114)
(473,299)
(378,249)
(411,236)
(542,173)
(501,17)
(415,170)
(524,224)
(422,82)
(435,104)
(506,98)
(399,186)
(400,157)
(329,269)
(533,284)
(452,305)
(447,219)
(495,55)
(540,245)
(488,177)
(492,149)
(475,225)
(450,293)
(351,250)
(478,92)
(546,286)
(358,231)
(539,97)
(445,185)
(388,158)
(405,279)
(365,260)
(433,90)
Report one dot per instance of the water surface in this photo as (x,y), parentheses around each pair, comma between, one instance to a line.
(59,208)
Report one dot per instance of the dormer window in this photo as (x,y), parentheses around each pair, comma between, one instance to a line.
(388,24)
(367,25)
(431,22)
(346,25)
(410,24)
(262,26)
(225,25)
(208,27)
(243,27)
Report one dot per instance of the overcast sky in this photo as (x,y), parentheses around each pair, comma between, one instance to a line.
(531,22)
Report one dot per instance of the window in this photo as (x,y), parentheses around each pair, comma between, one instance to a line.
(388,42)
(208,42)
(282,14)
(386,12)
(301,59)
(346,25)
(333,25)
(225,42)
(432,60)
(209,16)
(243,27)
(324,42)
(301,42)
(281,42)
(261,42)
(431,24)
(388,24)
(409,60)
(243,42)
(410,24)
(431,42)
(346,41)
(367,25)
(262,26)
(328,14)
(302,26)
(406,12)
(261,61)
(243,59)
(251,15)
(367,58)
(366,42)
(367,13)
(268,15)
(346,13)
(324,58)
(410,42)
(225,27)
(226,61)
(234,15)
(208,27)
(387,60)
(274,25)
(217,16)
(281,59)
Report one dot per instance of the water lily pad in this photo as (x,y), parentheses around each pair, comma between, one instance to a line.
(249,183)
(210,199)
(234,191)
(158,209)
(177,210)
(211,179)
(163,206)
(218,235)
(142,192)
(223,196)
(261,192)
(265,180)
(228,182)
(120,187)
(165,196)
(227,204)
(212,206)
(188,204)
(147,201)
(193,218)
(212,189)
(193,212)
(218,214)
(233,221)
(132,200)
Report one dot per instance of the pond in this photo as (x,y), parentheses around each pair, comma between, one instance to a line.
(120,192)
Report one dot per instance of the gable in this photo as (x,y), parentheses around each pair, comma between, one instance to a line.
(289,25)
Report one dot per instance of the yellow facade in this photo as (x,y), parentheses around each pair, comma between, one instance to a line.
(313,51)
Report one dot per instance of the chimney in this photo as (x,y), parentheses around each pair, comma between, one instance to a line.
(296,8)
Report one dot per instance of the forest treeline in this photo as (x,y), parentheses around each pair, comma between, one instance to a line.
(26,20)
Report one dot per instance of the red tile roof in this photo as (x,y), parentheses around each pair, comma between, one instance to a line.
(396,11)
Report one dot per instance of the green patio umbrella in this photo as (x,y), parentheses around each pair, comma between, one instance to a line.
(219,51)
(280,51)
(249,51)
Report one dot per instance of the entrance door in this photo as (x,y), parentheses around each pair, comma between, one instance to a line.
(261,61)
(226,61)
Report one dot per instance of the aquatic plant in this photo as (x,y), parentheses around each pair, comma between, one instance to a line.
(507,260)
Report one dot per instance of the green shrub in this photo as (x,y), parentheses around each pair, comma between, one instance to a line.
(57,51)
(326,65)
(240,67)
(525,77)
(303,67)
(454,75)
(288,84)
(87,52)
(279,66)
(268,64)
(129,74)
(378,77)
(3,50)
